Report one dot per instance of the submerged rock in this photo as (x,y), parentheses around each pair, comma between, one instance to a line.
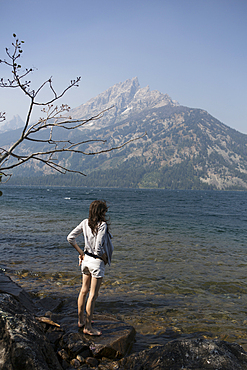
(8,286)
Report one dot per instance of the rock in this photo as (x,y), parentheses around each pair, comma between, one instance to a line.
(86,353)
(75,344)
(23,345)
(51,304)
(124,97)
(117,338)
(91,361)
(28,344)
(115,342)
(75,363)
(81,359)
(8,286)
(188,354)
(64,355)
(54,335)
(108,365)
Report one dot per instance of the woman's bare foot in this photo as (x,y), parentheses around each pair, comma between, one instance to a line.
(92,331)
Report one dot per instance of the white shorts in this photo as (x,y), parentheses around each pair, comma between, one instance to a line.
(93,266)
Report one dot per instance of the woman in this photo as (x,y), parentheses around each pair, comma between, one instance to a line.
(97,253)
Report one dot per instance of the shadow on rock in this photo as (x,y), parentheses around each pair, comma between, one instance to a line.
(188,354)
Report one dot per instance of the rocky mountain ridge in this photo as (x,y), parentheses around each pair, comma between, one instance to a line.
(184,148)
(124,98)
(15,123)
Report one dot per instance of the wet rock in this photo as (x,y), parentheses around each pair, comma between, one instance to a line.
(81,359)
(23,345)
(91,361)
(117,338)
(75,363)
(75,344)
(9,287)
(86,353)
(54,335)
(115,342)
(188,354)
(50,304)
(108,365)
(64,355)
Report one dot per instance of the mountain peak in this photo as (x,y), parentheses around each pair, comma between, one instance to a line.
(125,97)
(15,123)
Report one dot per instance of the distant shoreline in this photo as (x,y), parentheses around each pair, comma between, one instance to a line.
(115,188)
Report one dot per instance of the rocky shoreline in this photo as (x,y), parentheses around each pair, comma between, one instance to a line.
(35,336)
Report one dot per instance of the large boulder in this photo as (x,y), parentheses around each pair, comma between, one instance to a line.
(23,344)
(196,354)
(115,342)
(117,338)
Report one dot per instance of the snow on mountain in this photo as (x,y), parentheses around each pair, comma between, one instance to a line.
(15,123)
(125,98)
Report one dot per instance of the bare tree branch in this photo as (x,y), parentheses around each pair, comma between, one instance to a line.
(54,117)
(22,159)
(2,116)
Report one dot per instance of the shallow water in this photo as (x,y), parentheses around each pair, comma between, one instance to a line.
(179,264)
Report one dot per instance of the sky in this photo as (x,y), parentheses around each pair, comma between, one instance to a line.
(193,50)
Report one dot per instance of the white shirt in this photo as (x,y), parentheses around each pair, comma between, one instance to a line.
(98,244)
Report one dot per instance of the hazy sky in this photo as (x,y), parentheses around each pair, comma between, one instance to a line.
(193,50)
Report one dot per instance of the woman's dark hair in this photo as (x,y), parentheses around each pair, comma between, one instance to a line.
(97,211)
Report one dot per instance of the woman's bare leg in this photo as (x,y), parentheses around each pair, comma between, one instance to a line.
(86,280)
(93,294)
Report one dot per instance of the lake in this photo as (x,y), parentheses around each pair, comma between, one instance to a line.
(179,262)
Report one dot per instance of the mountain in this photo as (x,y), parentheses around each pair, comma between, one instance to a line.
(125,99)
(13,124)
(184,148)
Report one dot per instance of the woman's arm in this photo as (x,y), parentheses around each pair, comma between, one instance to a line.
(79,250)
(71,239)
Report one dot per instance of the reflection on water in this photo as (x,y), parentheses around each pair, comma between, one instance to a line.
(179,265)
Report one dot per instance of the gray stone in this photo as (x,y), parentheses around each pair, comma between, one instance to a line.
(117,338)
(29,342)
(64,355)
(188,354)
(23,345)
(124,97)
(75,363)
(51,304)
(9,287)
(91,361)
(74,344)
(54,335)
(81,359)
(115,342)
